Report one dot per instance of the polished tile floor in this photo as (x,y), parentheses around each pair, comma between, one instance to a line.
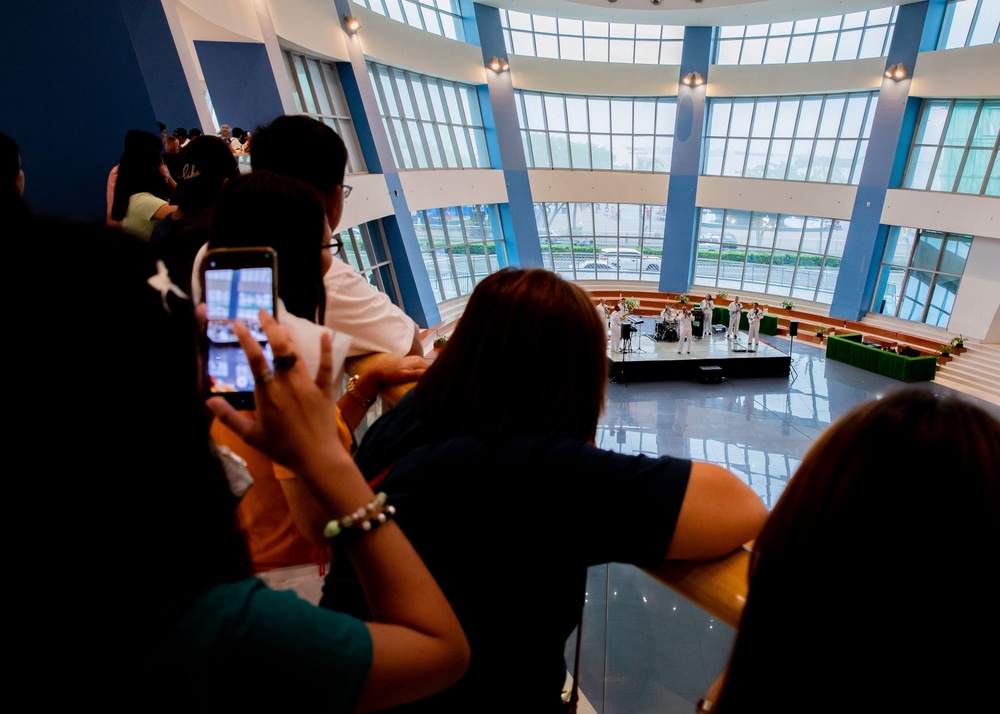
(646,648)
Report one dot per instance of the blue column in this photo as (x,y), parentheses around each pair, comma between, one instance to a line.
(679,239)
(503,138)
(417,296)
(888,146)
(74,83)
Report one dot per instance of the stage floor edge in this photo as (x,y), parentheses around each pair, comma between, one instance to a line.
(652,360)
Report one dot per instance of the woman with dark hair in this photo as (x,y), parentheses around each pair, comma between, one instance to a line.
(264,208)
(873,583)
(494,458)
(142,185)
(139,579)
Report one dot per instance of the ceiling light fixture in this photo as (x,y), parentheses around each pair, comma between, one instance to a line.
(352,23)
(896,71)
(693,79)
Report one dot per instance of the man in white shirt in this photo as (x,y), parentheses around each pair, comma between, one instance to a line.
(753,319)
(309,150)
(706,319)
(735,310)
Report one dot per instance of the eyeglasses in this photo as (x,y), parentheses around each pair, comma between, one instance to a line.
(346,190)
(334,246)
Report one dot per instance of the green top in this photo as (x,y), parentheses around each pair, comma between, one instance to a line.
(245,647)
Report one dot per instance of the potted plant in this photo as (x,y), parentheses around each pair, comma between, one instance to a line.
(683,298)
(722,294)
(957,344)
(821,333)
(632,304)
(788,304)
(440,341)
(945,355)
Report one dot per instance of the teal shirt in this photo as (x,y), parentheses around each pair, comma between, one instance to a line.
(244,647)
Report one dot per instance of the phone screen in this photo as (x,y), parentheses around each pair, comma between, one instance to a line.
(237,285)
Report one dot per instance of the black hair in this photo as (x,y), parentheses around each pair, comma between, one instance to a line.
(131,502)
(139,171)
(264,208)
(304,148)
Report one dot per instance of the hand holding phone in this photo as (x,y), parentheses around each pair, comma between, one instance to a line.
(237,283)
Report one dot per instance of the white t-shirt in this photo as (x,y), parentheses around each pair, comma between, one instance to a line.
(306,336)
(374,323)
(353,307)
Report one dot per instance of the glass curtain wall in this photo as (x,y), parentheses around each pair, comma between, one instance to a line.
(440,17)
(318,93)
(432,123)
(955,147)
(570,39)
(461,245)
(920,275)
(857,35)
(773,253)
(970,22)
(821,138)
(607,241)
(369,255)
(563,131)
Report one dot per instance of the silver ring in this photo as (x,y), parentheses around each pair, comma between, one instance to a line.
(264,377)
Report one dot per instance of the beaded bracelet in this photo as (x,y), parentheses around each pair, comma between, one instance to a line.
(362,520)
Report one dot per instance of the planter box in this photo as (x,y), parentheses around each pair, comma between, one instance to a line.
(848,348)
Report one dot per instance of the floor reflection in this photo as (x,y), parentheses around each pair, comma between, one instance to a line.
(645,648)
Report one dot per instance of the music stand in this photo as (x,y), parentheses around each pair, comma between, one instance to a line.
(637,327)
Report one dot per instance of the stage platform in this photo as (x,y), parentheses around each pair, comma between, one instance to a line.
(652,360)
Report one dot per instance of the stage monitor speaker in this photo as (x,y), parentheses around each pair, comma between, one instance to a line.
(793,328)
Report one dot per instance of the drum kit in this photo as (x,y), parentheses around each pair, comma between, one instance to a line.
(666,331)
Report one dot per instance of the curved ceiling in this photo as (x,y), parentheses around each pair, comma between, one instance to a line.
(691,12)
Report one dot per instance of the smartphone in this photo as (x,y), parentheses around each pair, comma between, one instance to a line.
(237,284)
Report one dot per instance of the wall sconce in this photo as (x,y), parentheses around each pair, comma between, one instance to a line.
(693,79)
(498,65)
(896,71)
(352,23)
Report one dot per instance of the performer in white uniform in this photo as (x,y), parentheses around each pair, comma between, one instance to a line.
(706,321)
(684,321)
(753,318)
(735,309)
(616,329)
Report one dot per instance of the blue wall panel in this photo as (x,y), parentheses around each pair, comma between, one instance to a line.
(70,91)
(240,82)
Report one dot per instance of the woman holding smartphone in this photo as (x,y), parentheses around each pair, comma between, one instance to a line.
(138,574)
(264,208)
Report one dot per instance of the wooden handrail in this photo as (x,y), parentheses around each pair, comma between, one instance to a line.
(719,586)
